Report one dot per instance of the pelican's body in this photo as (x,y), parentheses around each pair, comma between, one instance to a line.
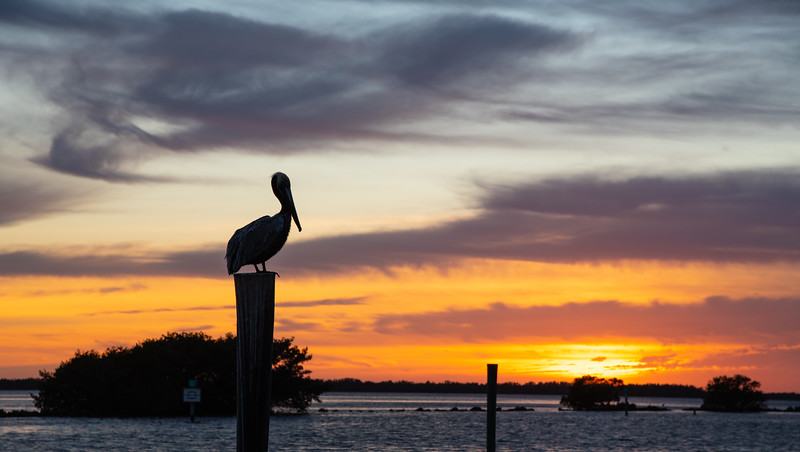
(261,239)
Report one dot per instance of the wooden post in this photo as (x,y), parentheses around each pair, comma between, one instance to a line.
(491,407)
(255,317)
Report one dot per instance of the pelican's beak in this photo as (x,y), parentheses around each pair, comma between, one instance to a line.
(294,210)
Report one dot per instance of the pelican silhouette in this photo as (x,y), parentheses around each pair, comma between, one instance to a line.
(258,241)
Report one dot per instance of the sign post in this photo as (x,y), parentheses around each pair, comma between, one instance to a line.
(191,395)
(626,401)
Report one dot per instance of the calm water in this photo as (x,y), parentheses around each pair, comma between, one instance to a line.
(365,421)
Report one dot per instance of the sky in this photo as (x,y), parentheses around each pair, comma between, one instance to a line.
(559,187)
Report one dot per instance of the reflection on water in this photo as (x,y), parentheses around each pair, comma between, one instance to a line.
(17,400)
(361,421)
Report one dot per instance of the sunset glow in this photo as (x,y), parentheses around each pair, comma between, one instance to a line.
(558,189)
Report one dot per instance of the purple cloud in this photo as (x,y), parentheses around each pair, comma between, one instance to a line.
(725,217)
(221,81)
(765,321)
(225,81)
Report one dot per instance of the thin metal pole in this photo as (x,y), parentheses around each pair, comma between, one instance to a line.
(491,407)
(255,318)
(626,401)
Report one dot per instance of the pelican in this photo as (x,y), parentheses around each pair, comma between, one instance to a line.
(258,241)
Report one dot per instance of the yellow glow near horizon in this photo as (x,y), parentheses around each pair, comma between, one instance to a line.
(518,362)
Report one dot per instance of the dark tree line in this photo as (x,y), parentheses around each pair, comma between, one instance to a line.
(664,390)
(446,387)
(14,384)
(537,388)
(148,378)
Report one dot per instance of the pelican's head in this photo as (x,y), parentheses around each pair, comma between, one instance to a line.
(283,191)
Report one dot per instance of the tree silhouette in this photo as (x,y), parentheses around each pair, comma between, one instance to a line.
(736,393)
(588,392)
(148,378)
(291,387)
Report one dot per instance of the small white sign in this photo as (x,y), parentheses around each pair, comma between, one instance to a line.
(191,395)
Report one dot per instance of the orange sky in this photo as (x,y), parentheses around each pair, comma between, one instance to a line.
(556,188)
(540,322)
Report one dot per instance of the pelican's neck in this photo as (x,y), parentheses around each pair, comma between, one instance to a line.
(283,191)
(283,198)
(286,209)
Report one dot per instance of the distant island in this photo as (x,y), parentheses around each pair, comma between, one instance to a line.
(533,388)
(450,387)
(20,384)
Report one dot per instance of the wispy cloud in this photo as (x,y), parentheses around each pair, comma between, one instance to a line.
(323,302)
(274,85)
(293,325)
(190,329)
(462,50)
(99,290)
(25,199)
(153,310)
(206,262)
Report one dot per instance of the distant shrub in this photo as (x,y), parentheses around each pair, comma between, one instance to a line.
(590,392)
(736,393)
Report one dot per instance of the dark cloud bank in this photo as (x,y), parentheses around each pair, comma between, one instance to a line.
(226,81)
(729,217)
(223,81)
(750,216)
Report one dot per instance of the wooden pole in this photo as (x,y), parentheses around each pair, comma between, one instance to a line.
(255,317)
(491,407)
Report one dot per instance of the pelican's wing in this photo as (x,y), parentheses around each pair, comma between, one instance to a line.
(233,255)
(258,238)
